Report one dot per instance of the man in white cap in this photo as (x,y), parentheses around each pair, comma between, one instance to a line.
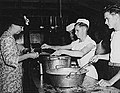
(83,48)
(70,28)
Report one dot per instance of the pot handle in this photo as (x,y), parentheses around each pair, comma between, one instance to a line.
(59,66)
(68,76)
(86,65)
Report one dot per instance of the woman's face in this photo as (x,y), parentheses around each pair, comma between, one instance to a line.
(79,31)
(18,29)
(110,20)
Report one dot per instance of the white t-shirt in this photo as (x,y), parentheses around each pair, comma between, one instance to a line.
(115,47)
(76,45)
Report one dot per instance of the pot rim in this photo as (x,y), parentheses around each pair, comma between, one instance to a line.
(66,71)
(51,58)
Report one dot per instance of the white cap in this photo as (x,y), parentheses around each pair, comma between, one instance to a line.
(70,27)
(83,21)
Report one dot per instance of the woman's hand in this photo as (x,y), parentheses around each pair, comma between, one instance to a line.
(94,59)
(104,83)
(33,55)
(45,46)
(20,47)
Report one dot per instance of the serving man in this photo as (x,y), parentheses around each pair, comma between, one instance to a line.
(83,48)
(112,19)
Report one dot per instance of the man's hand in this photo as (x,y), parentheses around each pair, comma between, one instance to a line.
(104,83)
(45,46)
(94,59)
(57,52)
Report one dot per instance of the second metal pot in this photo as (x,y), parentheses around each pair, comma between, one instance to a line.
(66,77)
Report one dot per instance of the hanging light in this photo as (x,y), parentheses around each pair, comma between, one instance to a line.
(41,27)
(26,20)
(60,8)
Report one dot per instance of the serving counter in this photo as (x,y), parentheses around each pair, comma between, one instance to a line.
(44,87)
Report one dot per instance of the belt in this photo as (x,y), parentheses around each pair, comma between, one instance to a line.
(114,64)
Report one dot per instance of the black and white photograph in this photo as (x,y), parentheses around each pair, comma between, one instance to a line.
(59,46)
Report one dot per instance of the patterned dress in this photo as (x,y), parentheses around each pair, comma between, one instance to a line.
(10,69)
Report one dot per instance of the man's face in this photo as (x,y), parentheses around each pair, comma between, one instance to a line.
(71,35)
(110,19)
(79,31)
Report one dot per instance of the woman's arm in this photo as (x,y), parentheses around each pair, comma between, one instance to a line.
(10,53)
(28,55)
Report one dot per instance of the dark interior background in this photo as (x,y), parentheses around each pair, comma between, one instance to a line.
(57,14)
(48,21)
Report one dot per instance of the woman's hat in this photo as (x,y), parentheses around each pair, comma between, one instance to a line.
(18,21)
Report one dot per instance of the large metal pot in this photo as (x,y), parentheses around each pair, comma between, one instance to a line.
(51,62)
(66,77)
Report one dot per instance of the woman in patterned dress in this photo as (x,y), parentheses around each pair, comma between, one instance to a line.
(11,60)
